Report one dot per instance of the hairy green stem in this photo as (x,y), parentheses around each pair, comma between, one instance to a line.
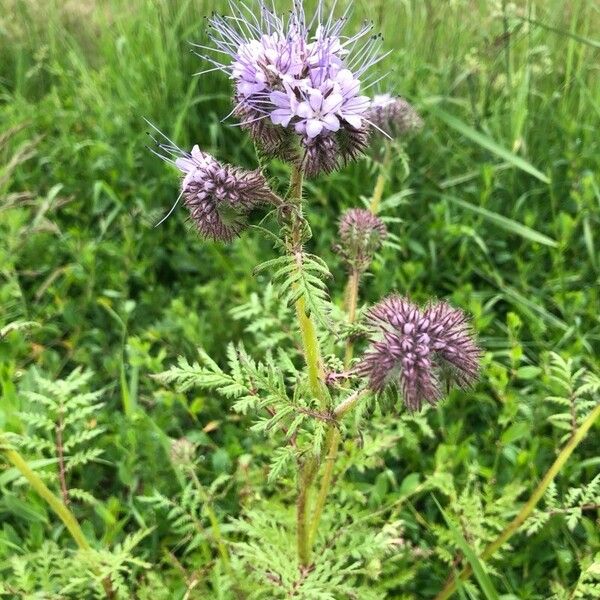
(515,524)
(332,439)
(305,479)
(308,332)
(312,352)
(349,403)
(331,444)
(314,365)
(333,435)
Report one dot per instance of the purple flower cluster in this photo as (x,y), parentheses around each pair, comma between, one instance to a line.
(218,195)
(393,115)
(419,350)
(298,84)
(361,234)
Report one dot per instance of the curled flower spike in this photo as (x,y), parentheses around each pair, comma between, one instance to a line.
(217,195)
(393,115)
(299,85)
(419,350)
(361,234)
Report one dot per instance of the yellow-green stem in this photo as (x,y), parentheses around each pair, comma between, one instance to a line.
(312,352)
(55,503)
(61,510)
(306,476)
(380,183)
(351,303)
(349,403)
(333,434)
(527,509)
(310,342)
(331,445)
(314,365)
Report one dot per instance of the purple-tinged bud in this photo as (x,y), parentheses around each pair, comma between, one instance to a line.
(361,234)
(353,142)
(218,196)
(272,140)
(419,350)
(319,155)
(393,115)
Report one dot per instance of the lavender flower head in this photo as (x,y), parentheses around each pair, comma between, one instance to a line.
(393,115)
(361,234)
(299,85)
(419,350)
(217,195)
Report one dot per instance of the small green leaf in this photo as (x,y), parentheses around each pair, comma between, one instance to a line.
(410,483)
(529,372)
(515,432)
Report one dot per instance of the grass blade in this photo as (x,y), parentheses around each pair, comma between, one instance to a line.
(488,143)
(505,223)
(574,36)
(487,587)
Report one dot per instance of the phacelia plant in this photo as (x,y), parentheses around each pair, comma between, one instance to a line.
(300,89)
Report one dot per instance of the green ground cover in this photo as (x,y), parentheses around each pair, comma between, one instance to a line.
(496,206)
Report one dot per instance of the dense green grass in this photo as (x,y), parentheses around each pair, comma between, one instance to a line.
(499,210)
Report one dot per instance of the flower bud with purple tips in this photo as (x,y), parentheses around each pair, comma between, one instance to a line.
(393,115)
(419,350)
(361,234)
(217,195)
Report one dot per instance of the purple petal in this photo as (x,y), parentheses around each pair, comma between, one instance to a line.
(331,122)
(313,128)
(281,116)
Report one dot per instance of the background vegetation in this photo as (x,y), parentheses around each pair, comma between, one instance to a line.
(498,208)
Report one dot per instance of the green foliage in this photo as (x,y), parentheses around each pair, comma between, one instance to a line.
(588,583)
(476,515)
(64,574)
(302,275)
(267,317)
(272,388)
(577,501)
(62,425)
(510,100)
(344,559)
(575,392)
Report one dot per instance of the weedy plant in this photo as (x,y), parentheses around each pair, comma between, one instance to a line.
(342,394)
(300,89)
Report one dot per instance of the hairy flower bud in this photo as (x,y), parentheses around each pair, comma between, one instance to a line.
(271,140)
(393,115)
(319,155)
(361,234)
(419,350)
(217,195)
